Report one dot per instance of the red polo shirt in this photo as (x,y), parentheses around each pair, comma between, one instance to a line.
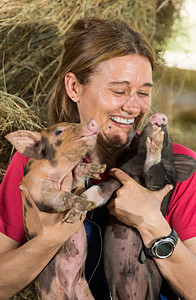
(181,214)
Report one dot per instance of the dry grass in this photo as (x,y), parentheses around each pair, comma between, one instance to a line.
(28,293)
(32,34)
(174,94)
(15,114)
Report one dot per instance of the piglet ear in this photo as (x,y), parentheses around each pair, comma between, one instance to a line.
(185,166)
(26,142)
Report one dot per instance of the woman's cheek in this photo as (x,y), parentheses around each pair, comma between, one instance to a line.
(111,102)
(146,105)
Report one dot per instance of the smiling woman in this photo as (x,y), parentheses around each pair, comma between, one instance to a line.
(91,42)
(108,77)
(118,95)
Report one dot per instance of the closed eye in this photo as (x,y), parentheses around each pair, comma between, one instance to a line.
(143,94)
(119,92)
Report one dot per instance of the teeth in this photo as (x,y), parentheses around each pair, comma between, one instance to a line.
(122,120)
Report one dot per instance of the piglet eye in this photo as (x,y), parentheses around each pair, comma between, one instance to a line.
(58,132)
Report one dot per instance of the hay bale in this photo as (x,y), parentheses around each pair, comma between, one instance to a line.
(31,38)
(14,114)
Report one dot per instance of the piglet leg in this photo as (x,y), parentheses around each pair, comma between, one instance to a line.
(154,175)
(61,201)
(77,207)
(84,170)
(101,193)
(154,148)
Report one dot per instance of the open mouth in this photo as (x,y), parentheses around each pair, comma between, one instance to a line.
(121,120)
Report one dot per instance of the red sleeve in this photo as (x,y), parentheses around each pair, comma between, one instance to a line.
(181,214)
(11,216)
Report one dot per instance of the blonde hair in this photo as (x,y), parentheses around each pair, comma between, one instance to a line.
(91,41)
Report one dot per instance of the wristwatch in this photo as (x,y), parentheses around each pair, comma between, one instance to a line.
(164,246)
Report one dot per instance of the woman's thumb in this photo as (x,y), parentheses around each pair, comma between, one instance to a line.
(164,191)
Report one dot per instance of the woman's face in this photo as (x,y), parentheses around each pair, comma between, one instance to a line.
(118,95)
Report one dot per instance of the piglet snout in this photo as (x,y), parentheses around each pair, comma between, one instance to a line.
(158,119)
(92,126)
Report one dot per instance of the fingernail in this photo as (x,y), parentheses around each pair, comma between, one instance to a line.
(171,186)
(112,170)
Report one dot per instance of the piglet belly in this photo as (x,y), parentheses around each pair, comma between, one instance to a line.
(70,266)
(127,277)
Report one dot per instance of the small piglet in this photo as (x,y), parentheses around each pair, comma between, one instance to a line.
(151,162)
(52,173)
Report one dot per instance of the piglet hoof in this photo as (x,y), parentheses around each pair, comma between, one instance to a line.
(154,146)
(86,204)
(73,215)
(95,170)
(155,143)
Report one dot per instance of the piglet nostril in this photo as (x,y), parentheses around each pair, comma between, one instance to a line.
(158,119)
(92,125)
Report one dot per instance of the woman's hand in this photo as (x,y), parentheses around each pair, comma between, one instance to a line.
(136,206)
(54,231)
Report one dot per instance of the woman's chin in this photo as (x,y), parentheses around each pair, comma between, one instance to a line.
(116,140)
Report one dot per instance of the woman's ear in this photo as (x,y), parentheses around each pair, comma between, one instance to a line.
(72,86)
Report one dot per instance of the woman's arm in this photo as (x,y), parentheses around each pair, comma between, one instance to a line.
(143,212)
(21,265)
(180,269)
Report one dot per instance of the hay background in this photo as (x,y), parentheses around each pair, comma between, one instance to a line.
(32,33)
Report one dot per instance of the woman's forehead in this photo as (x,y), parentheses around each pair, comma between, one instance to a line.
(125,69)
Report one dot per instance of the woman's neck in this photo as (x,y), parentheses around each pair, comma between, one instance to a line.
(107,152)
(102,154)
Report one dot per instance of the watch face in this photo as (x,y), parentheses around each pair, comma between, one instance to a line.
(164,249)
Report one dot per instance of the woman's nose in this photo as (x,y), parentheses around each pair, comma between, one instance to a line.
(131,104)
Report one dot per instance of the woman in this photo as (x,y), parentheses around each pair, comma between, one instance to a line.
(105,73)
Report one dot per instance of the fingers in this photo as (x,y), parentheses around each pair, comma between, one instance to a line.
(164,191)
(131,187)
(123,178)
(120,175)
(111,205)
